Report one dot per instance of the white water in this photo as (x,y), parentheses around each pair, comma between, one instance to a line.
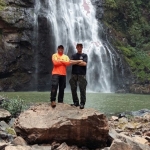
(73,21)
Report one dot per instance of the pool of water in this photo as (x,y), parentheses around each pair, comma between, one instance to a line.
(108,103)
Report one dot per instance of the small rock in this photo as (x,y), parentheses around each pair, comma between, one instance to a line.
(140,140)
(19,141)
(114,118)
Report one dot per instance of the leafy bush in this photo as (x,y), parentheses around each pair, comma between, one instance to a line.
(14,106)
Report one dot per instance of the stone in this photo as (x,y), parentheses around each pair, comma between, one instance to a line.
(147,133)
(141,140)
(37,147)
(135,143)
(63,146)
(3,126)
(119,145)
(19,141)
(3,145)
(4,114)
(44,124)
(18,148)
(123,120)
(114,118)
(130,126)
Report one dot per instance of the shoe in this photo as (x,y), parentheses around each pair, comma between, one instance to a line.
(53,104)
(81,106)
(75,104)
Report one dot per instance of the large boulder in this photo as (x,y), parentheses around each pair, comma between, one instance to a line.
(44,124)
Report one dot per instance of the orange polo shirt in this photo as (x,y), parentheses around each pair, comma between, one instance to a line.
(60,62)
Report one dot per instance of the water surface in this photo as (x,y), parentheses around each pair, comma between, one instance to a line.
(107,103)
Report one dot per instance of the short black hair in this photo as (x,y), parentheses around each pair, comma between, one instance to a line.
(80,44)
(60,47)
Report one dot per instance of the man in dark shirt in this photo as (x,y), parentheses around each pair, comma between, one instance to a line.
(79,76)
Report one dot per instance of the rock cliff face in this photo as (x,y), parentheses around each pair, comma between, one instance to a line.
(20,47)
(22,51)
(16,53)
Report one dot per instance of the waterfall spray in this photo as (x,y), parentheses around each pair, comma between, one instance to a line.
(73,21)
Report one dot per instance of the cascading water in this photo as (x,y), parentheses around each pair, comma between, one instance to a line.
(68,22)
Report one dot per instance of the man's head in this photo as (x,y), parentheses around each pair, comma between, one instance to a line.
(60,49)
(79,47)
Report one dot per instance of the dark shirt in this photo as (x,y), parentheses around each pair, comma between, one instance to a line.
(76,69)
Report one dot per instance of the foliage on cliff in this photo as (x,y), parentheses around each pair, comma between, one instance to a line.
(129,24)
(2,5)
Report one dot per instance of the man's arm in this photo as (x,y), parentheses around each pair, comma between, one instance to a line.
(65,61)
(82,63)
(74,62)
(56,62)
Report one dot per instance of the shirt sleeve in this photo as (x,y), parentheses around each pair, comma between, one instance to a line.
(66,61)
(55,60)
(85,58)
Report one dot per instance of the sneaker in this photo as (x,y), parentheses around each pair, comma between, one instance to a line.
(81,106)
(53,104)
(75,104)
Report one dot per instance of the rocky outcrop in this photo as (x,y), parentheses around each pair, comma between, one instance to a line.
(16,36)
(126,132)
(43,124)
(131,130)
(140,89)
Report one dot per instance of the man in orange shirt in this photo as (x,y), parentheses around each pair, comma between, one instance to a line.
(60,62)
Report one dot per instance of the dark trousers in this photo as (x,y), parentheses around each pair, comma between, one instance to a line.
(58,80)
(82,87)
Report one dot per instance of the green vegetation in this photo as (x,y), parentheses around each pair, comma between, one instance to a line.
(10,131)
(2,5)
(129,22)
(14,106)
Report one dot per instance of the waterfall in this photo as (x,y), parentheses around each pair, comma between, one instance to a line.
(69,22)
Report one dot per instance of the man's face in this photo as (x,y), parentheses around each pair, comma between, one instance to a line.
(60,51)
(79,48)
